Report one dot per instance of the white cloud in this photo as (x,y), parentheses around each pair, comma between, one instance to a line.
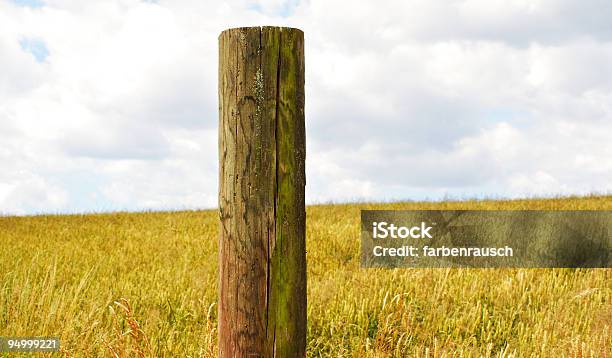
(31,194)
(405,99)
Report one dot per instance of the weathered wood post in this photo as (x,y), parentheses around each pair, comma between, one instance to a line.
(262,251)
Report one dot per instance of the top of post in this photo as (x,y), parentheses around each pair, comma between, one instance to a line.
(251,28)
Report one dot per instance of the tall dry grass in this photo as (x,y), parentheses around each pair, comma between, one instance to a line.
(145,284)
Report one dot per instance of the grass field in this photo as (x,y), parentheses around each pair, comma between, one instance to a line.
(126,283)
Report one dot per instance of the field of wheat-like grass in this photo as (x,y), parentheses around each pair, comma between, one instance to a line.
(146,284)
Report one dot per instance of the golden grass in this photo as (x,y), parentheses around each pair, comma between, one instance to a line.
(145,284)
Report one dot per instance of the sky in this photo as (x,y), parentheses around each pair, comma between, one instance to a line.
(112,105)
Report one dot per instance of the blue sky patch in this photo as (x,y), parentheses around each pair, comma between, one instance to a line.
(36,47)
(285,10)
(30,3)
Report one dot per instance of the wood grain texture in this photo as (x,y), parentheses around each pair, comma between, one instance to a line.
(262,253)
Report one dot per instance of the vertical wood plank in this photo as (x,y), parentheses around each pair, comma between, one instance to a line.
(262,254)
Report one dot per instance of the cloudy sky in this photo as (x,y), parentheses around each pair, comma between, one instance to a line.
(112,105)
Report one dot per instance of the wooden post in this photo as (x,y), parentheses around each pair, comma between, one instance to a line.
(262,250)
